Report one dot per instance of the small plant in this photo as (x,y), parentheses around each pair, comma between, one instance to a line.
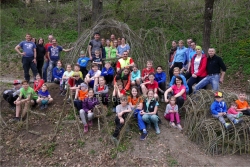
(92,152)
(80,143)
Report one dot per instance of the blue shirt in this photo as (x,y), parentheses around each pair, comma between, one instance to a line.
(97,60)
(218,107)
(83,61)
(180,55)
(43,94)
(160,77)
(135,75)
(183,79)
(106,72)
(120,49)
(54,52)
(58,72)
(28,48)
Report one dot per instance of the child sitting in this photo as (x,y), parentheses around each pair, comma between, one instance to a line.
(150,84)
(121,114)
(77,70)
(117,93)
(86,113)
(38,83)
(171,113)
(160,78)
(178,73)
(233,111)
(58,72)
(135,76)
(97,59)
(80,95)
(219,111)
(124,78)
(92,77)
(149,112)
(102,90)
(66,75)
(242,104)
(108,73)
(136,103)
(147,71)
(11,95)
(83,62)
(44,97)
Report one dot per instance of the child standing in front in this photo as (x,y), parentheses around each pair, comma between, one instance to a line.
(219,111)
(44,97)
(171,113)
(242,104)
(83,62)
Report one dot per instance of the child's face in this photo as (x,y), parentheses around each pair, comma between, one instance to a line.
(234,106)
(172,101)
(82,55)
(17,86)
(149,65)
(38,77)
(159,70)
(95,68)
(125,72)
(219,99)
(134,92)
(242,96)
(25,85)
(135,69)
(68,68)
(151,77)
(76,68)
(107,65)
(150,94)
(59,64)
(76,77)
(90,93)
(176,72)
(124,102)
(44,88)
(120,87)
(97,54)
(101,81)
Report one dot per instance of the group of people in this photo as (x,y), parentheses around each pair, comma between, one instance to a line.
(133,90)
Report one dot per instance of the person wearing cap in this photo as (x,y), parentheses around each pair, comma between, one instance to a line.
(219,110)
(95,44)
(198,68)
(216,70)
(83,62)
(11,95)
(80,95)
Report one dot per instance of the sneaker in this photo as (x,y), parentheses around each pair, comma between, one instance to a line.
(90,123)
(86,128)
(143,136)
(148,126)
(227,125)
(114,109)
(42,107)
(179,127)
(15,119)
(172,124)
(157,129)
(68,100)
(114,140)
(237,121)
(45,106)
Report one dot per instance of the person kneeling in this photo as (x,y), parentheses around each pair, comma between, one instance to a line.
(88,105)
(44,97)
(11,95)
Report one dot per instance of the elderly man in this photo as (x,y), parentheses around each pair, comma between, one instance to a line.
(124,62)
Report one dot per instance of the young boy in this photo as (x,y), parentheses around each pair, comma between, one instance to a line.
(44,97)
(92,77)
(150,84)
(77,70)
(80,95)
(121,113)
(97,59)
(108,73)
(11,95)
(177,73)
(242,104)
(233,111)
(83,62)
(219,111)
(27,96)
(147,71)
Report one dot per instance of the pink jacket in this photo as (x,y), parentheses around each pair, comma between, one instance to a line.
(232,110)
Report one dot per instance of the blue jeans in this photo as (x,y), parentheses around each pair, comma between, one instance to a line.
(50,77)
(140,122)
(148,118)
(210,79)
(45,67)
(27,64)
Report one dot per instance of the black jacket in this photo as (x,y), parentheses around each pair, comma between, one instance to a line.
(40,52)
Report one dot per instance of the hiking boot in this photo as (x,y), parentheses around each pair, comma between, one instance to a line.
(239,115)
(86,128)
(157,129)
(42,107)
(15,119)
(148,126)
(172,124)
(179,127)
(237,121)
(45,106)
(143,136)
(90,123)
(227,125)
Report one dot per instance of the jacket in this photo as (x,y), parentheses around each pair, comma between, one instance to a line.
(218,107)
(160,77)
(202,69)
(150,107)
(89,103)
(106,89)
(58,73)
(106,72)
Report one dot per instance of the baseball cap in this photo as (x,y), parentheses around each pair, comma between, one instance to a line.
(15,82)
(218,95)
(83,85)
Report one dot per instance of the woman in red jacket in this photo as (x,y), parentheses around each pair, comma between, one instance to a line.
(198,68)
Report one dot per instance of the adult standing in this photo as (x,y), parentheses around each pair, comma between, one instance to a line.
(41,51)
(122,48)
(179,58)
(46,62)
(28,56)
(188,50)
(172,52)
(214,74)
(103,42)
(192,52)
(54,56)
(95,44)
(124,62)
(198,68)
(112,38)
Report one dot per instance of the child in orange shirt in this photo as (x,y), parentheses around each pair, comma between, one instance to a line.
(80,95)
(242,104)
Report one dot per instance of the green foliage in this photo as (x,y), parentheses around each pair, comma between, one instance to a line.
(80,143)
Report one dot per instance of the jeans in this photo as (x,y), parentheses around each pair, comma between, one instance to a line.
(39,65)
(27,64)
(221,118)
(148,118)
(45,67)
(78,104)
(246,112)
(210,79)
(50,77)
(173,116)
(192,81)
(85,115)
(140,122)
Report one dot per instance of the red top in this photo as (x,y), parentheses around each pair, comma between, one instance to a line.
(118,64)
(177,90)
(232,110)
(202,70)
(47,45)
(152,85)
(147,71)
(71,81)
(123,92)
(100,88)
(38,84)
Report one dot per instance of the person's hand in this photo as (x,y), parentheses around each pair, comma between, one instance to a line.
(34,61)
(23,54)
(220,114)
(221,80)
(89,111)
(120,114)
(166,100)
(142,112)
(171,66)
(194,76)
(15,102)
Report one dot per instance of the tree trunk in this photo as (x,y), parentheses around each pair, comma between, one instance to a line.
(208,16)
(97,6)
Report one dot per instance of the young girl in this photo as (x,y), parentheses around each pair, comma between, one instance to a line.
(118,92)
(86,113)
(44,97)
(58,72)
(136,102)
(121,113)
(102,89)
(124,78)
(233,111)
(92,77)
(135,76)
(66,75)
(38,83)
(150,84)
(149,112)
(171,113)
(80,95)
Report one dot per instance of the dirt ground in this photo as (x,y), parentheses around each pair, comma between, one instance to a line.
(22,148)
